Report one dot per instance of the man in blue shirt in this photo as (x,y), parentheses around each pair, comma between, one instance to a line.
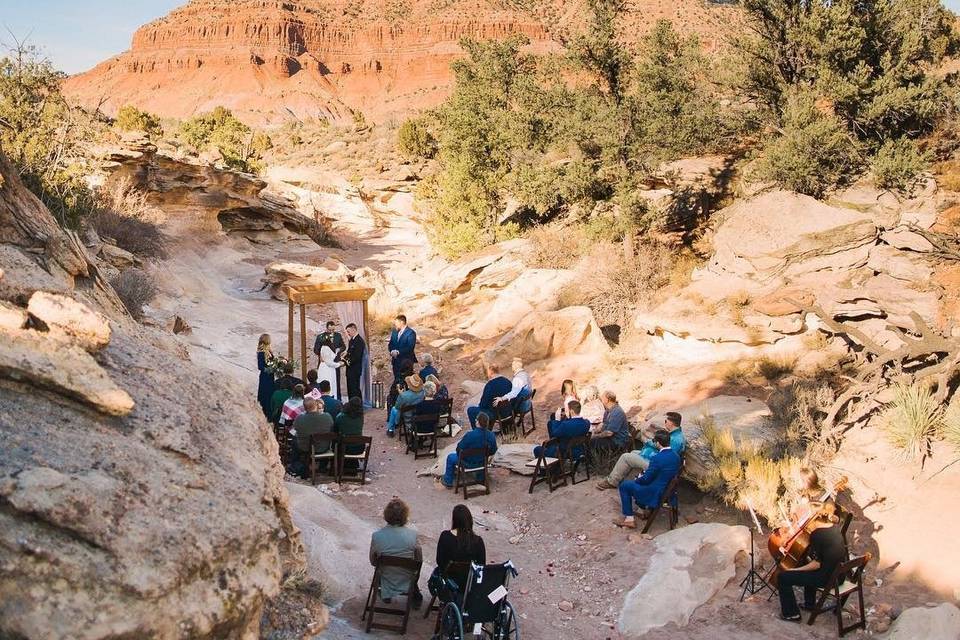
(615,430)
(635,462)
(564,431)
(647,490)
(476,438)
(496,387)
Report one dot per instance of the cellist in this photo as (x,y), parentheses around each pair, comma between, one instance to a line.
(827,550)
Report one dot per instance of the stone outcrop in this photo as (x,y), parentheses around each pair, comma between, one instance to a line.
(689,566)
(202,197)
(930,623)
(273,60)
(139,495)
(548,334)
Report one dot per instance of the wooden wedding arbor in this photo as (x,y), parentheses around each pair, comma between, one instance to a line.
(304,294)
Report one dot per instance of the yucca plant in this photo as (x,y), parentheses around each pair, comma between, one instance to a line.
(951,422)
(911,421)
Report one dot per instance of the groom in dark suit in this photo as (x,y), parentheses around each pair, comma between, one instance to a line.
(356,349)
(332,338)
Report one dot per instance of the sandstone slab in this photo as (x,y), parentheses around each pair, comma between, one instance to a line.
(70,319)
(930,623)
(533,290)
(546,334)
(688,567)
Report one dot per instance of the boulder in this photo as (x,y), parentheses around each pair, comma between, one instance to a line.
(117,257)
(898,264)
(748,419)
(73,321)
(495,267)
(780,231)
(906,240)
(534,290)
(12,317)
(688,567)
(930,623)
(547,334)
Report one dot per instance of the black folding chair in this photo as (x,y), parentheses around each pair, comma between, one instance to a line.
(574,460)
(469,475)
(522,416)
(323,448)
(371,608)
(362,458)
(846,580)
(548,469)
(423,435)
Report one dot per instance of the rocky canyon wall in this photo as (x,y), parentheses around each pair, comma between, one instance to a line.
(270,61)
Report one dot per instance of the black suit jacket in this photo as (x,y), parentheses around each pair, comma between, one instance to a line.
(355,351)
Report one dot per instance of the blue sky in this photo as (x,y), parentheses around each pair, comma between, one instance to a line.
(77,34)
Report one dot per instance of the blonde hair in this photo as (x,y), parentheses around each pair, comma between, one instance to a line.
(429,388)
(264,343)
(589,393)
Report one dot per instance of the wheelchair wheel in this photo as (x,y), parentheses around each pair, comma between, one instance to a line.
(507,627)
(451,622)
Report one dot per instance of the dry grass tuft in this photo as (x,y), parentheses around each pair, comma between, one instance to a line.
(912,421)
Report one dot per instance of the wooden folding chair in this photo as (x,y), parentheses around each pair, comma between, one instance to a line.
(371,608)
(404,422)
(504,420)
(668,500)
(573,462)
(446,417)
(846,580)
(456,570)
(423,440)
(548,469)
(522,417)
(467,476)
(329,455)
(363,458)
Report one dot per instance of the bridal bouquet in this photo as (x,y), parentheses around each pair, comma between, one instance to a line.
(277,364)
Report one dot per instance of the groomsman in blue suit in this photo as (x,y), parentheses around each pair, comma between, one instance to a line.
(647,489)
(403,341)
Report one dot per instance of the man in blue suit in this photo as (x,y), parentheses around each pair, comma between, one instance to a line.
(647,489)
(403,341)
(477,438)
(564,430)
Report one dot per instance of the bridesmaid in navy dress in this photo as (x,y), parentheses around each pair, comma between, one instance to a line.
(265,389)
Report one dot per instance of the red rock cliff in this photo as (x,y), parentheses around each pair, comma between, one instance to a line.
(270,59)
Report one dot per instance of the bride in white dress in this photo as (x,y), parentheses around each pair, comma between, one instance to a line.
(328,368)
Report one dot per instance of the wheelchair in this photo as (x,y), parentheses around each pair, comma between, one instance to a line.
(482,611)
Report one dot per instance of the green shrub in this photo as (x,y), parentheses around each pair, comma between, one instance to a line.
(414,139)
(239,146)
(813,153)
(898,165)
(129,118)
(774,368)
(135,288)
(911,421)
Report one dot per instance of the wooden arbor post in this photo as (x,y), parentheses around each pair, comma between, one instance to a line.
(306,294)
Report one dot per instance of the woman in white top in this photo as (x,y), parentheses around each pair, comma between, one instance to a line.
(592,408)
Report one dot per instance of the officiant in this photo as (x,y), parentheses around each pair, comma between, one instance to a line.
(332,339)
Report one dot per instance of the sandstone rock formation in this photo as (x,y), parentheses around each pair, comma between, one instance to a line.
(547,334)
(201,197)
(689,566)
(139,496)
(930,623)
(271,61)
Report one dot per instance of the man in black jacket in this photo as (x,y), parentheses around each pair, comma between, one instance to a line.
(332,338)
(356,350)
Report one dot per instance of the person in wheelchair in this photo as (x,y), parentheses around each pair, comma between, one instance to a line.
(456,549)
(482,609)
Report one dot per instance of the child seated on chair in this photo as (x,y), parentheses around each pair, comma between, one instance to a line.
(474,439)
(400,541)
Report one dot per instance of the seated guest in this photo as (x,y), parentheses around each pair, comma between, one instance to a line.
(293,406)
(330,404)
(288,377)
(412,395)
(476,438)
(429,406)
(460,544)
(827,550)
(349,422)
(406,369)
(592,408)
(400,541)
(614,429)
(428,369)
(520,387)
(568,393)
(442,392)
(308,423)
(635,462)
(281,394)
(563,430)
(496,387)
(648,488)
(312,381)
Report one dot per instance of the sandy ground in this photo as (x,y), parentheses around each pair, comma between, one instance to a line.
(563,543)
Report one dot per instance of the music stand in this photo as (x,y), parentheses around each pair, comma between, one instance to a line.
(753,582)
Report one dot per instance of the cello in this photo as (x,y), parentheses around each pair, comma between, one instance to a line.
(788,546)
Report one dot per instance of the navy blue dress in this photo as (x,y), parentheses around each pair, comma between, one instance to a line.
(265,389)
